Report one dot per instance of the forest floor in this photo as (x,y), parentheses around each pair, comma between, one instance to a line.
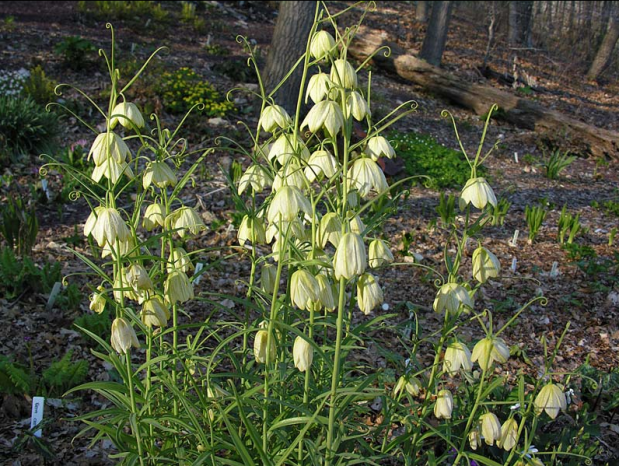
(583,292)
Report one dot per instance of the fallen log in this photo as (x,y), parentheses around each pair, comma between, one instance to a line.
(574,135)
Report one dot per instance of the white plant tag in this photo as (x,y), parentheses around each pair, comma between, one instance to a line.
(199,267)
(38,402)
(554,270)
(513,267)
(515,238)
(53,295)
(516,157)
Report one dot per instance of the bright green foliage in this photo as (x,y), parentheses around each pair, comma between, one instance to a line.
(498,213)
(18,225)
(74,51)
(188,12)
(609,208)
(26,128)
(64,374)
(184,88)
(534,216)
(568,225)
(99,324)
(124,10)
(599,388)
(556,163)
(423,156)
(446,208)
(14,379)
(39,86)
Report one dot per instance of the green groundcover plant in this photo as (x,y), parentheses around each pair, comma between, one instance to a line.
(287,380)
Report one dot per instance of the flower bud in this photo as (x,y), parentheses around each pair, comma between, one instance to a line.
(322,45)
(488,350)
(286,204)
(268,278)
(303,353)
(256,177)
(109,145)
(260,347)
(321,163)
(127,113)
(178,288)
(154,313)
(356,106)
(304,289)
(509,435)
(491,428)
(184,219)
(444,405)
(477,192)
(350,257)
(325,114)
(123,336)
(365,175)
(343,74)
(159,174)
(97,301)
(457,355)
(484,264)
(379,254)
(273,117)
(318,87)
(251,229)
(369,293)
(378,147)
(450,297)
(551,399)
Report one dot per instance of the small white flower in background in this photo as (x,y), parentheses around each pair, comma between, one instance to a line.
(378,147)
(515,406)
(569,395)
(303,353)
(318,87)
(350,259)
(322,45)
(127,113)
(343,74)
(274,117)
(477,192)
(326,114)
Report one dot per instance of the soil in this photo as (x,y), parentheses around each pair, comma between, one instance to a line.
(584,295)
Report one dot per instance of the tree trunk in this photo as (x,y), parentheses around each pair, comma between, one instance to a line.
(605,52)
(572,134)
(290,35)
(513,23)
(421,10)
(520,23)
(435,40)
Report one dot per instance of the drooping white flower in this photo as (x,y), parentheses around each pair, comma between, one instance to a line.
(509,435)
(365,176)
(477,192)
(178,288)
(450,297)
(490,427)
(551,399)
(303,353)
(109,145)
(112,170)
(444,405)
(273,117)
(153,216)
(484,264)
(321,163)
(154,312)
(126,114)
(304,289)
(350,259)
(318,87)
(159,174)
(261,341)
(326,114)
(378,147)
(343,74)
(369,293)
(123,336)
(287,147)
(457,356)
(186,219)
(379,254)
(488,350)
(357,106)
(179,260)
(109,227)
(291,174)
(286,204)
(330,229)
(251,229)
(322,45)
(256,177)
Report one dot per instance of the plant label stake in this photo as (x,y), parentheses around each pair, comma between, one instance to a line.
(517,158)
(515,238)
(513,267)
(36,417)
(554,270)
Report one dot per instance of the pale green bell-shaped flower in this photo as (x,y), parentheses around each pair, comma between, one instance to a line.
(287,147)
(491,428)
(120,248)
(153,216)
(109,145)
(356,106)
(488,350)
(318,87)
(457,356)
(322,45)
(138,278)
(450,297)
(326,114)
(343,74)
(97,301)
(154,312)
(551,399)
(274,117)
(369,293)
(484,264)
(251,229)
(159,174)
(379,254)
(179,260)
(123,336)
(291,174)
(112,170)
(260,347)
(477,192)
(509,435)
(127,113)
(91,221)
(321,163)
(178,288)
(256,177)
(378,147)
(444,405)
(268,278)
(356,225)
(287,203)
(326,292)
(185,219)
(408,383)
(365,176)
(330,229)
(350,259)
(108,227)
(304,289)
(475,440)
(303,353)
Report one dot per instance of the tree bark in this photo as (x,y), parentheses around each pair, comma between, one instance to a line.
(435,40)
(605,52)
(576,135)
(520,23)
(421,10)
(289,40)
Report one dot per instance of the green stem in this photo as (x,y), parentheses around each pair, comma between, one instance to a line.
(134,409)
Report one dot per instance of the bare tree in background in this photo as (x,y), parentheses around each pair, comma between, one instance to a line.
(287,45)
(606,50)
(520,23)
(421,11)
(436,34)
